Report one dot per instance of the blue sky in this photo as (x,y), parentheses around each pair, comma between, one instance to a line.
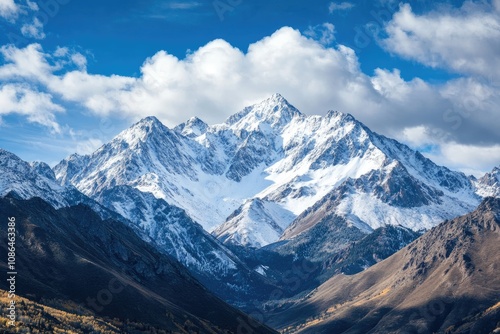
(74,73)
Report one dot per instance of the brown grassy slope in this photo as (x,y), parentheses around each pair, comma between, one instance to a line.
(57,316)
(446,281)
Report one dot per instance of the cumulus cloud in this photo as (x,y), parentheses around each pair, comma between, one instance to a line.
(466,41)
(32,5)
(8,9)
(213,82)
(471,159)
(26,63)
(37,107)
(335,6)
(324,33)
(33,30)
(218,80)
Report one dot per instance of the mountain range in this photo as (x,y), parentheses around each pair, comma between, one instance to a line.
(268,174)
(260,176)
(269,203)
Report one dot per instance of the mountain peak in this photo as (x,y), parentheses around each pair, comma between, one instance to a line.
(489,183)
(4,154)
(149,120)
(141,130)
(193,127)
(275,111)
(341,115)
(278,98)
(29,180)
(43,169)
(490,204)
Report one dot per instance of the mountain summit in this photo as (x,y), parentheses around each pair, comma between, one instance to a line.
(294,166)
(275,111)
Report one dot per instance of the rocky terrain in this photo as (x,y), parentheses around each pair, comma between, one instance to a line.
(446,281)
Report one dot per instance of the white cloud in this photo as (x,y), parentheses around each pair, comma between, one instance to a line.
(28,63)
(391,85)
(33,30)
(335,6)
(470,159)
(465,41)
(79,60)
(8,9)
(84,147)
(99,93)
(218,80)
(61,52)
(182,5)
(323,33)
(416,136)
(37,107)
(32,5)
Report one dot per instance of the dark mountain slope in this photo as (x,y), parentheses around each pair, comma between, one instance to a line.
(72,255)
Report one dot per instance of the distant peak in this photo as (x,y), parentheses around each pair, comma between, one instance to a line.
(43,169)
(147,124)
(490,204)
(195,120)
(75,156)
(39,164)
(339,114)
(278,97)
(142,130)
(275,110)
(149,120)
(276,100)
(193,127)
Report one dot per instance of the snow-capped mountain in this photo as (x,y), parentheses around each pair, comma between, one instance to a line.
(191,167)
(256,222)
(489,184)
(151,158)
(139,174)
(248,179)
(166,227)
(36,179)
(173,232)
(26,181)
